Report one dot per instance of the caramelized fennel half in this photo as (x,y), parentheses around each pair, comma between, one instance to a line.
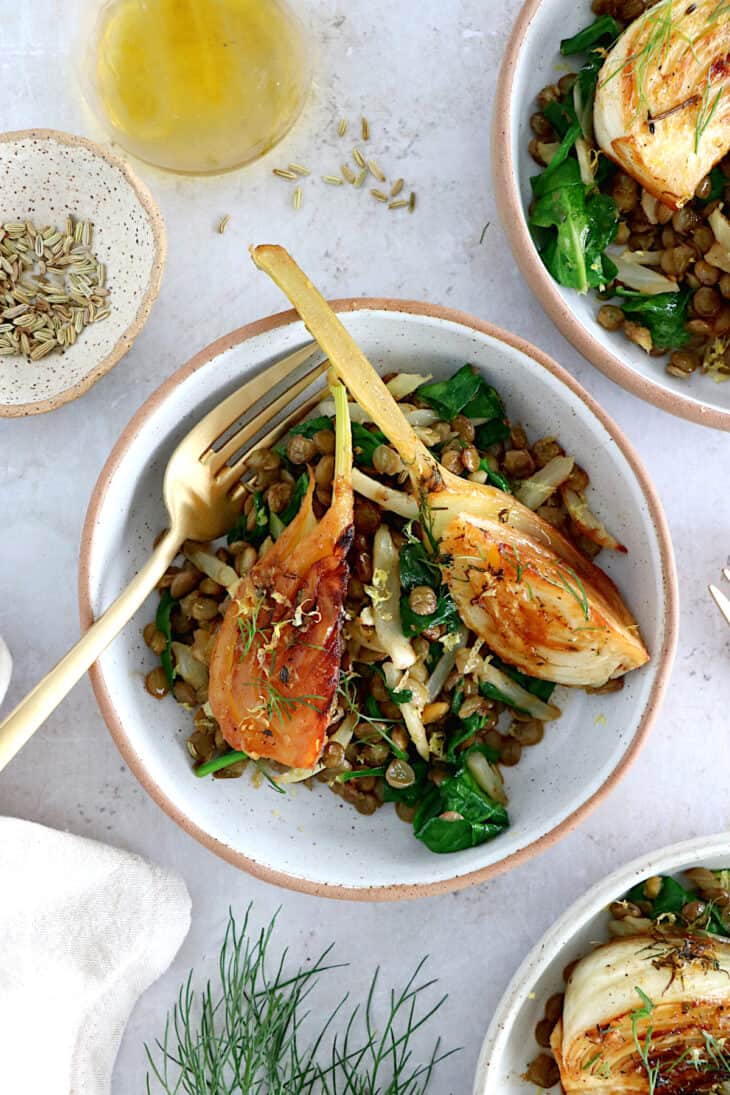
(654,1004)
(276,662)
(533,622)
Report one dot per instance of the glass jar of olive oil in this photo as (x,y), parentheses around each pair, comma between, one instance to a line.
(198,86)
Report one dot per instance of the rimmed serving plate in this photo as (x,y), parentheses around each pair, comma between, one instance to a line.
(510,1045)
(532,60)
(310,840)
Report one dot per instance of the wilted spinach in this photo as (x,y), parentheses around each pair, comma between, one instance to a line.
(664,314)
(481,818)
(465,392)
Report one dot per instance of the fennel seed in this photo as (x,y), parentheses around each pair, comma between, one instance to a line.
(365,129)
(290,176)
(223,222)
(333,180)
(412,201)
(342,127)
(375,170)
(358,157)
(346,170)
(298,169)
(379,195)
(361,177)
(297,198)
(397,187)
(400,203)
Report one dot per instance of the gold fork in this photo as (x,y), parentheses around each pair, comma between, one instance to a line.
(722,602)
(202,487)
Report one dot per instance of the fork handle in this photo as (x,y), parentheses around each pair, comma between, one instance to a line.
(31,712)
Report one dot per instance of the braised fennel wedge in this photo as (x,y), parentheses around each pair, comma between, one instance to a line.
(276,662)
(517,582)
(649,1011)
(252,1031)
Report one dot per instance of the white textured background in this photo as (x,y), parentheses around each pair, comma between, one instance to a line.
(424,74)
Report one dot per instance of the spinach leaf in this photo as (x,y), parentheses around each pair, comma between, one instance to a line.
(416,569)
(665,315)
(601,32)
(546,182)
(162,623)
(469,726)
(495,478)
(585,224)
(560,115)
(465,391)
(482,818)
(489,433)
(365,442)
(291,509)
(259,532)
(487,403)
(313,425)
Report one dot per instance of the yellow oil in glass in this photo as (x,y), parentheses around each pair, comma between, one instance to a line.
(200,85)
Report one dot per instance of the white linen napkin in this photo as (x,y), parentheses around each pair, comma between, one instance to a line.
(84,930)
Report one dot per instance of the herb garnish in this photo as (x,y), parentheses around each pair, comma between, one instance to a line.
(244,1032)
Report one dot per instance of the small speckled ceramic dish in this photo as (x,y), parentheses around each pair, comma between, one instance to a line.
(310,839)
(532,60)
(44,175)
(510,1043)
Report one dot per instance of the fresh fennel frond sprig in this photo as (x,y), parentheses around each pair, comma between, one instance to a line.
(255,1031)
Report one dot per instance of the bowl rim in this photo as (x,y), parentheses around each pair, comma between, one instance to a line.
(666,859)
(159,236)
(509,207)
(391,892)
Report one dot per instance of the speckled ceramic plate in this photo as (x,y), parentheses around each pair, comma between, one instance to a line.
(532,60)
(309,839)
(44,175)
(510,1042)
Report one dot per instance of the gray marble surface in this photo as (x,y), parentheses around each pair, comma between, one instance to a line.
(424,74)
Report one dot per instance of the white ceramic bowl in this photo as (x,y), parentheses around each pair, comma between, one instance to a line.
(532,60)
(45,175)
(311,840)
(510,1042)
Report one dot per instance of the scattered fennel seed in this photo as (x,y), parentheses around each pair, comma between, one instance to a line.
(379,195)
(297,199)
(333,180)
(374,169)
(397,187)
(342,127)
(365,129)
(283,174)
(298,169)
(358,157)
(223,222)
